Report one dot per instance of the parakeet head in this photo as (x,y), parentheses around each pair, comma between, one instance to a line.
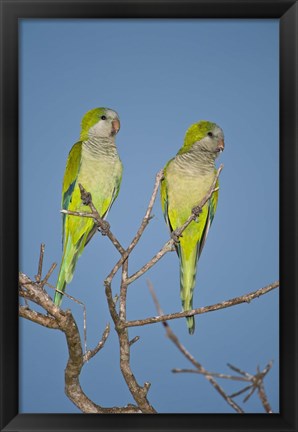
(99,122)
(204,136)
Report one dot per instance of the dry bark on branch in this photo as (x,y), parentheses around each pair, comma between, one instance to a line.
(256,381)
(247,298)
(64,320)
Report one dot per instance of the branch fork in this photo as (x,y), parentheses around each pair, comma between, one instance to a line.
(55,318)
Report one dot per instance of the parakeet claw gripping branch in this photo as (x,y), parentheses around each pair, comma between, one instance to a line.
(93,163)
(187,179)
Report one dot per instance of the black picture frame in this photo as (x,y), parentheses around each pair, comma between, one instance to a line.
(284,10)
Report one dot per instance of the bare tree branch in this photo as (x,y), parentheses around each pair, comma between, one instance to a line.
(241,372)
(147,217)
(123,292)
(213,374)
(256,381)
(187,354)
(264,400)
(91,353)
(247,298)
(138,392)
(38,318)
(47,276)
(238,393)
(65,322)
(140,231)
(168,247)
(40,263)
(78,302)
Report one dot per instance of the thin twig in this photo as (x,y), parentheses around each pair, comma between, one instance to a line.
(241,372)
(147,217)
(249,394)
(261,389)
(79,214)
(40,263)
(247,298)
(123,291)
(213,374)
(134,340)
(140,231)
(256,383)
(168,247)
(81,304)
(47,276)
(264,400)
(91,353)
(240,391)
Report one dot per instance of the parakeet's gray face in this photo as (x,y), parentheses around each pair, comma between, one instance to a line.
(213,142)
(107,126)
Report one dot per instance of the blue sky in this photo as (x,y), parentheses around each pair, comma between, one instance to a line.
(160,76)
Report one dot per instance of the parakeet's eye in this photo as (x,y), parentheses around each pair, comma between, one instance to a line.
(103,117)
(210,134)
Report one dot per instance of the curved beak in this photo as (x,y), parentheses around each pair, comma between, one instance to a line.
(115,126)
(220,146)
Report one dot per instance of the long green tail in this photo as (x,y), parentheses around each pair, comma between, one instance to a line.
(188,269)
(70,256)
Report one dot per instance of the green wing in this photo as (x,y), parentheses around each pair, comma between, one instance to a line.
(164,198)
(165,208)
(164,201)
(70,177)
(212,205)
(114,195)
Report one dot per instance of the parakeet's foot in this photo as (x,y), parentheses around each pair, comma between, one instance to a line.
(175,237)
(104,227)
(196,211)
(85,196)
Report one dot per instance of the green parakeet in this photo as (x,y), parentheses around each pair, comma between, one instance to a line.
(94,163)
(187,179)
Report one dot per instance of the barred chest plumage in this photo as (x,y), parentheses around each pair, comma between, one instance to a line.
(100,170)
(188,181)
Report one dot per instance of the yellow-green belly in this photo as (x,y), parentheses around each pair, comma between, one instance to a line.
(184,193)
